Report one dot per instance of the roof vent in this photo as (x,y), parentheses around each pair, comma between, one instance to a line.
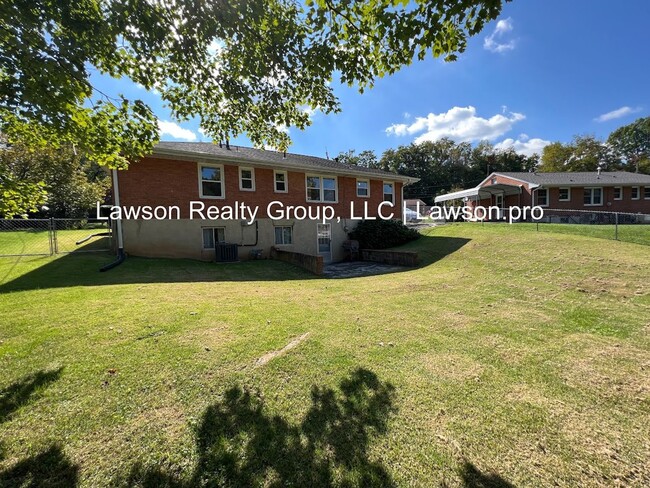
(599,170)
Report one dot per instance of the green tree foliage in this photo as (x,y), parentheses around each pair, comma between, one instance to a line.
(632,144)
(584,153)
(69,184)
(366,159)
(443,165)
(240,67)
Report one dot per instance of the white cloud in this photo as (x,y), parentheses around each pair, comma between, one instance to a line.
(176,131)
(617,114)
(523,145)
(495,42)
(460,124)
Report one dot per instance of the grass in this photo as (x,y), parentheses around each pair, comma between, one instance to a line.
(510,357)
(37,241)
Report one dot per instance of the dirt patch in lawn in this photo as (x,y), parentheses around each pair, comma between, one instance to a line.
(614,370)
(452,367)
(273,354)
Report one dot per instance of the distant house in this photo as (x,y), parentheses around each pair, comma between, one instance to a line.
(178,173)
(616,191)
(413,203)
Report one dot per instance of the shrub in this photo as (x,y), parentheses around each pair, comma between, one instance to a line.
(382,234)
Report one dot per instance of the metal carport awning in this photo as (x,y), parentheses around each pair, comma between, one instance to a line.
(481,192)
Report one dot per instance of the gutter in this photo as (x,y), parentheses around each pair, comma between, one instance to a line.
(121,256)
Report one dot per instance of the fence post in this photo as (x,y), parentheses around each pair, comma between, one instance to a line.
(50,234)
(616,226)
(55,244)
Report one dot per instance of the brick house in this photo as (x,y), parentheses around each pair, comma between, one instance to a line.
(616,191)
(179,173)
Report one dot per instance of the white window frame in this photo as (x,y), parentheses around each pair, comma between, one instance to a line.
(602,196)
(383,191)
(322,190)
(638,193)
(620,197)
(568,198)
(275,228)
(547,197)
(367,182)
(275,181)
(199,167)
(645,189)
(241,179)
(203,229)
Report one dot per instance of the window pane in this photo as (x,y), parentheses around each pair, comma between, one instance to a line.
(278,235)
(247,184)
(313,195)
(208,239)
(635,192)
(246,174)
(597,196)
(329,195)
(617,193)
(388,188)
(587,196)
(564,193)
(362,188)
(329,183)
(542,197)
(211,189)
(211,174)
(287,235)
(646,192)
(279,177)
(221,234)
(279,186)
(313,182)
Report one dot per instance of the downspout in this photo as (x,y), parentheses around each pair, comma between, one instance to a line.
(118,227)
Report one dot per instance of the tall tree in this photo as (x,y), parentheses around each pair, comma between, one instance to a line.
(366,159)
(239,66)
(69,184)
(584,153)
(632,144)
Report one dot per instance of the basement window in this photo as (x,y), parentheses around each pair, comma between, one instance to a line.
(283,235)
(212,235)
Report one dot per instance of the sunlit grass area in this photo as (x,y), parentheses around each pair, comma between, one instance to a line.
(510,356)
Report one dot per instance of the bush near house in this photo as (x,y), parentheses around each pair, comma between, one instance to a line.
(382,234)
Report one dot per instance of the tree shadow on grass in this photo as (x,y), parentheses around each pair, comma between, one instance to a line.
(239,444)
(49,468)
(24,390)
(83,269)
(473,478)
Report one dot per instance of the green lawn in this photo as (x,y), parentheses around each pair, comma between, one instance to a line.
(510,357)
(37,241)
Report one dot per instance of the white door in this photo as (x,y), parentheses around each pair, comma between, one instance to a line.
(499,203)
(324,237)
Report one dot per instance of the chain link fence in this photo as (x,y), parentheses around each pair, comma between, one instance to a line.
(46,237)
(621,226)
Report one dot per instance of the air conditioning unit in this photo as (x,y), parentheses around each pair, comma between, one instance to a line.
(226,253)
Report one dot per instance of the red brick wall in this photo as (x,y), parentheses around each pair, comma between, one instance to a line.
(156,181)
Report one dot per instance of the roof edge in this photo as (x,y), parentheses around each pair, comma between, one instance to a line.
(194,156)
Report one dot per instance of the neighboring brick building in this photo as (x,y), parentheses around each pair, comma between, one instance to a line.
(179,173)
(616,191)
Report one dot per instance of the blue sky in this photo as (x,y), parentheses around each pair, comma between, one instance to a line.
(545,71)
